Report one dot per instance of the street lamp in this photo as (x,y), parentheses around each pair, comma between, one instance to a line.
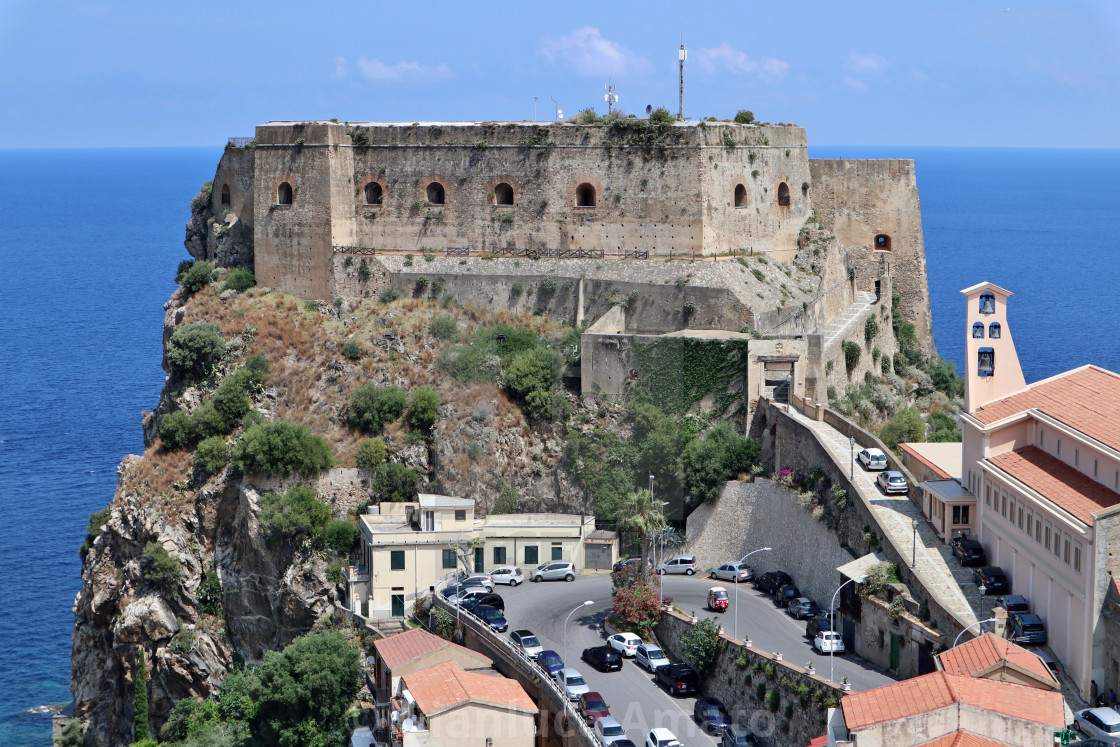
(973,625)
(832,620)
(566,619)
(914,547)
(660,559)
(741,560)
(852,454)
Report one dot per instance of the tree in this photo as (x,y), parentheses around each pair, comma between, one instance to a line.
(71,735)
(372,406)
(341,536)
(281,448)
(744,116)
(211,456)
(851,355)
(701,645)
(530,377)
(443,327)
(396,483)
(177,430)
(140,700)
(708,463)
(636,606)
(506,502)
(194,349)
(197,277)
(641,515)
(423,408)
(661,116)
(293,516)
(944,376)
(904,426)
(158,567)
(371,453)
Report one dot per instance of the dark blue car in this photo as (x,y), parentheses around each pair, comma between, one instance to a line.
(491,617)
(1028,630)
(550,662)
(711,714)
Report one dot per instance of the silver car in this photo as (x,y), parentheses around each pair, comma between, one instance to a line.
(1099,723)
(733,572)
(650,657)
(872,459)
(685,564)
(609,730)
(557,570)
(892,482)
(572,682)
(507,575)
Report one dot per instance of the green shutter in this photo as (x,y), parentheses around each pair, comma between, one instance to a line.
(531,555)
(396,560)
(449,560)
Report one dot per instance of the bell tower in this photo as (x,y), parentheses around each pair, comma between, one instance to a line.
(992,369)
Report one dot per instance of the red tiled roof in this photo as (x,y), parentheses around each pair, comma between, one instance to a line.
(986,653)
(446,685)
(404,647)
(819,741)
(932,692)
(936,470)
(1060,483)
(1087,399)
(962,739)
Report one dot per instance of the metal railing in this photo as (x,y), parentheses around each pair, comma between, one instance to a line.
(240,142)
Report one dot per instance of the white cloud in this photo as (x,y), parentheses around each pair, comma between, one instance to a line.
(341,68)
(866,63)
(375,69)
(734,61)
(590,53)
(854,84)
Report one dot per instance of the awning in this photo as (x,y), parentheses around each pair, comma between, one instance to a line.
(859,567)
(948,491)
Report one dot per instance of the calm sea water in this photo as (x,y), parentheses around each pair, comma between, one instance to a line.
(89,244)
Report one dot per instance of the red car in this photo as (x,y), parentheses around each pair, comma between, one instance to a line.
(592,707)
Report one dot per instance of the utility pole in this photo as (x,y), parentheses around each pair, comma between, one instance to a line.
(534,108)
(610,96)
(682,55)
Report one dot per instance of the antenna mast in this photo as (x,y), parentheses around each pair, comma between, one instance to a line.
(610,96)
(682,55)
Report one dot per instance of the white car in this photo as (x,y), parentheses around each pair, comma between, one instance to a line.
(872,459)
(463,596)
(685,564)
(507,575)
(1098,723)
(573,683)
(625,643)
(829,642)
(650,656)
(661,737)
(733,572)
(609,730)
(480,578)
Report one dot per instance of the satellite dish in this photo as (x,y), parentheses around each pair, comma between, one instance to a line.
(371,661)
(649,108)
(407,725)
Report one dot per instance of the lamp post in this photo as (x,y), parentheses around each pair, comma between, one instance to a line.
(852,454)
(660,559)
(914,547)
(741,560)
(973,625)
(566,619)
(832,620)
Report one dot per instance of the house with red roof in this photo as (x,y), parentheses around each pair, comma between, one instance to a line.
(995,658)
(1043,461)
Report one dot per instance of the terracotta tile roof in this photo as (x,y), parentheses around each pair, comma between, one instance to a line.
(819,741)
(932,692)
(447,685)
(962,739)
(404,647)
(1086,398)
(1060,483)
(989,652)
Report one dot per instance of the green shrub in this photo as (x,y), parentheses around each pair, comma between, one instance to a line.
(97,520)
(548,284)
(758,274)
(257,366)
(141,732)
(181,270)
(586,116)
(851,355)
(197,277)
(195,349)
(240,279)
(944,376)
(506,502)
(210,594)
(371,453)
(372,406)
(517,289)
(208,421)
(701,645)
(352,350)
(943,428)
(661,115)
(335,573)
(281,448)
(706,464)
(828,367)
(396,482)
(341,536)
(177,430)
(388,296)
(294,516)
(904,426)
(885,364)
(423,408)
(231,399)
(421,283)
(444,327)
(773,700)
(744,116)
(158,568)
(71,735)
(211,456)
(530,377)
(201,200)
(870,329)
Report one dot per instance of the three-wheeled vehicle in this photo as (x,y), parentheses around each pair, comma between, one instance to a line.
(717,599)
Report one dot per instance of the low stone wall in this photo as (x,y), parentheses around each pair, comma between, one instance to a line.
(781,703)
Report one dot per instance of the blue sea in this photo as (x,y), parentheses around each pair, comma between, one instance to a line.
(89,242)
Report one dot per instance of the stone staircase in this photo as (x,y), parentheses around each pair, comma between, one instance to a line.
(849,325)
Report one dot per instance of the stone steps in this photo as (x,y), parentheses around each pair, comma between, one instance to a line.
(848,324)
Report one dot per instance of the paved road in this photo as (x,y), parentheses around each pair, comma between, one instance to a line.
(635,700)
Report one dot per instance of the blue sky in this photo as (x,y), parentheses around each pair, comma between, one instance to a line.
(895,72)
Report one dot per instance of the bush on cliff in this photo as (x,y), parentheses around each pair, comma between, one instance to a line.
(158,568)
(701,645)
(294,516)
(177,430)
(372,406)
(96,521)
(281,449)
(197,277)
(904,426)
(423,408)
(211,456)
(371,453)
(341,536)
(444,327)
(396,482)
(708,463)
(744,116)
(194,349)
(240,279)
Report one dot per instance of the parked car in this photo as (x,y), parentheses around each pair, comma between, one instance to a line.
(711,714)
(1014,604)
(480,579)
(624,742)
(557,570)
(550,662)
(828,642)
(507,575)
(492,617)
(625,562)
(734,572)
(819,624)
(473,582)
(650,657)
(592,707)
(572,683)
(992,578)
(771,581)
(609,730)
(872,459)
(968,551)
(625,643)
(1110,742)
(603,658)
(1049,662)
(528,642)
(785,595)
(737,735)
(1028,630)
(801,608)
(678,679)
(468,595)
(892,482)
(661,737)
(685,564)
(1098,723)
(492,600)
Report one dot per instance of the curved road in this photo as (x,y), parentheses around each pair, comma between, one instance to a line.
(633,696)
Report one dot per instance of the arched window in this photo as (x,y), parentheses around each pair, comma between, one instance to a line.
(783,195)
(503,194)
(985,362)
(585,195)
(435,193)
(740,196)
(882,243)
(225,194)
(284,194)
(994,330)
(374,193)
(978,329)
(987,303)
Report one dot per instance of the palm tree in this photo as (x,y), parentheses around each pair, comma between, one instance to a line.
(646,518)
